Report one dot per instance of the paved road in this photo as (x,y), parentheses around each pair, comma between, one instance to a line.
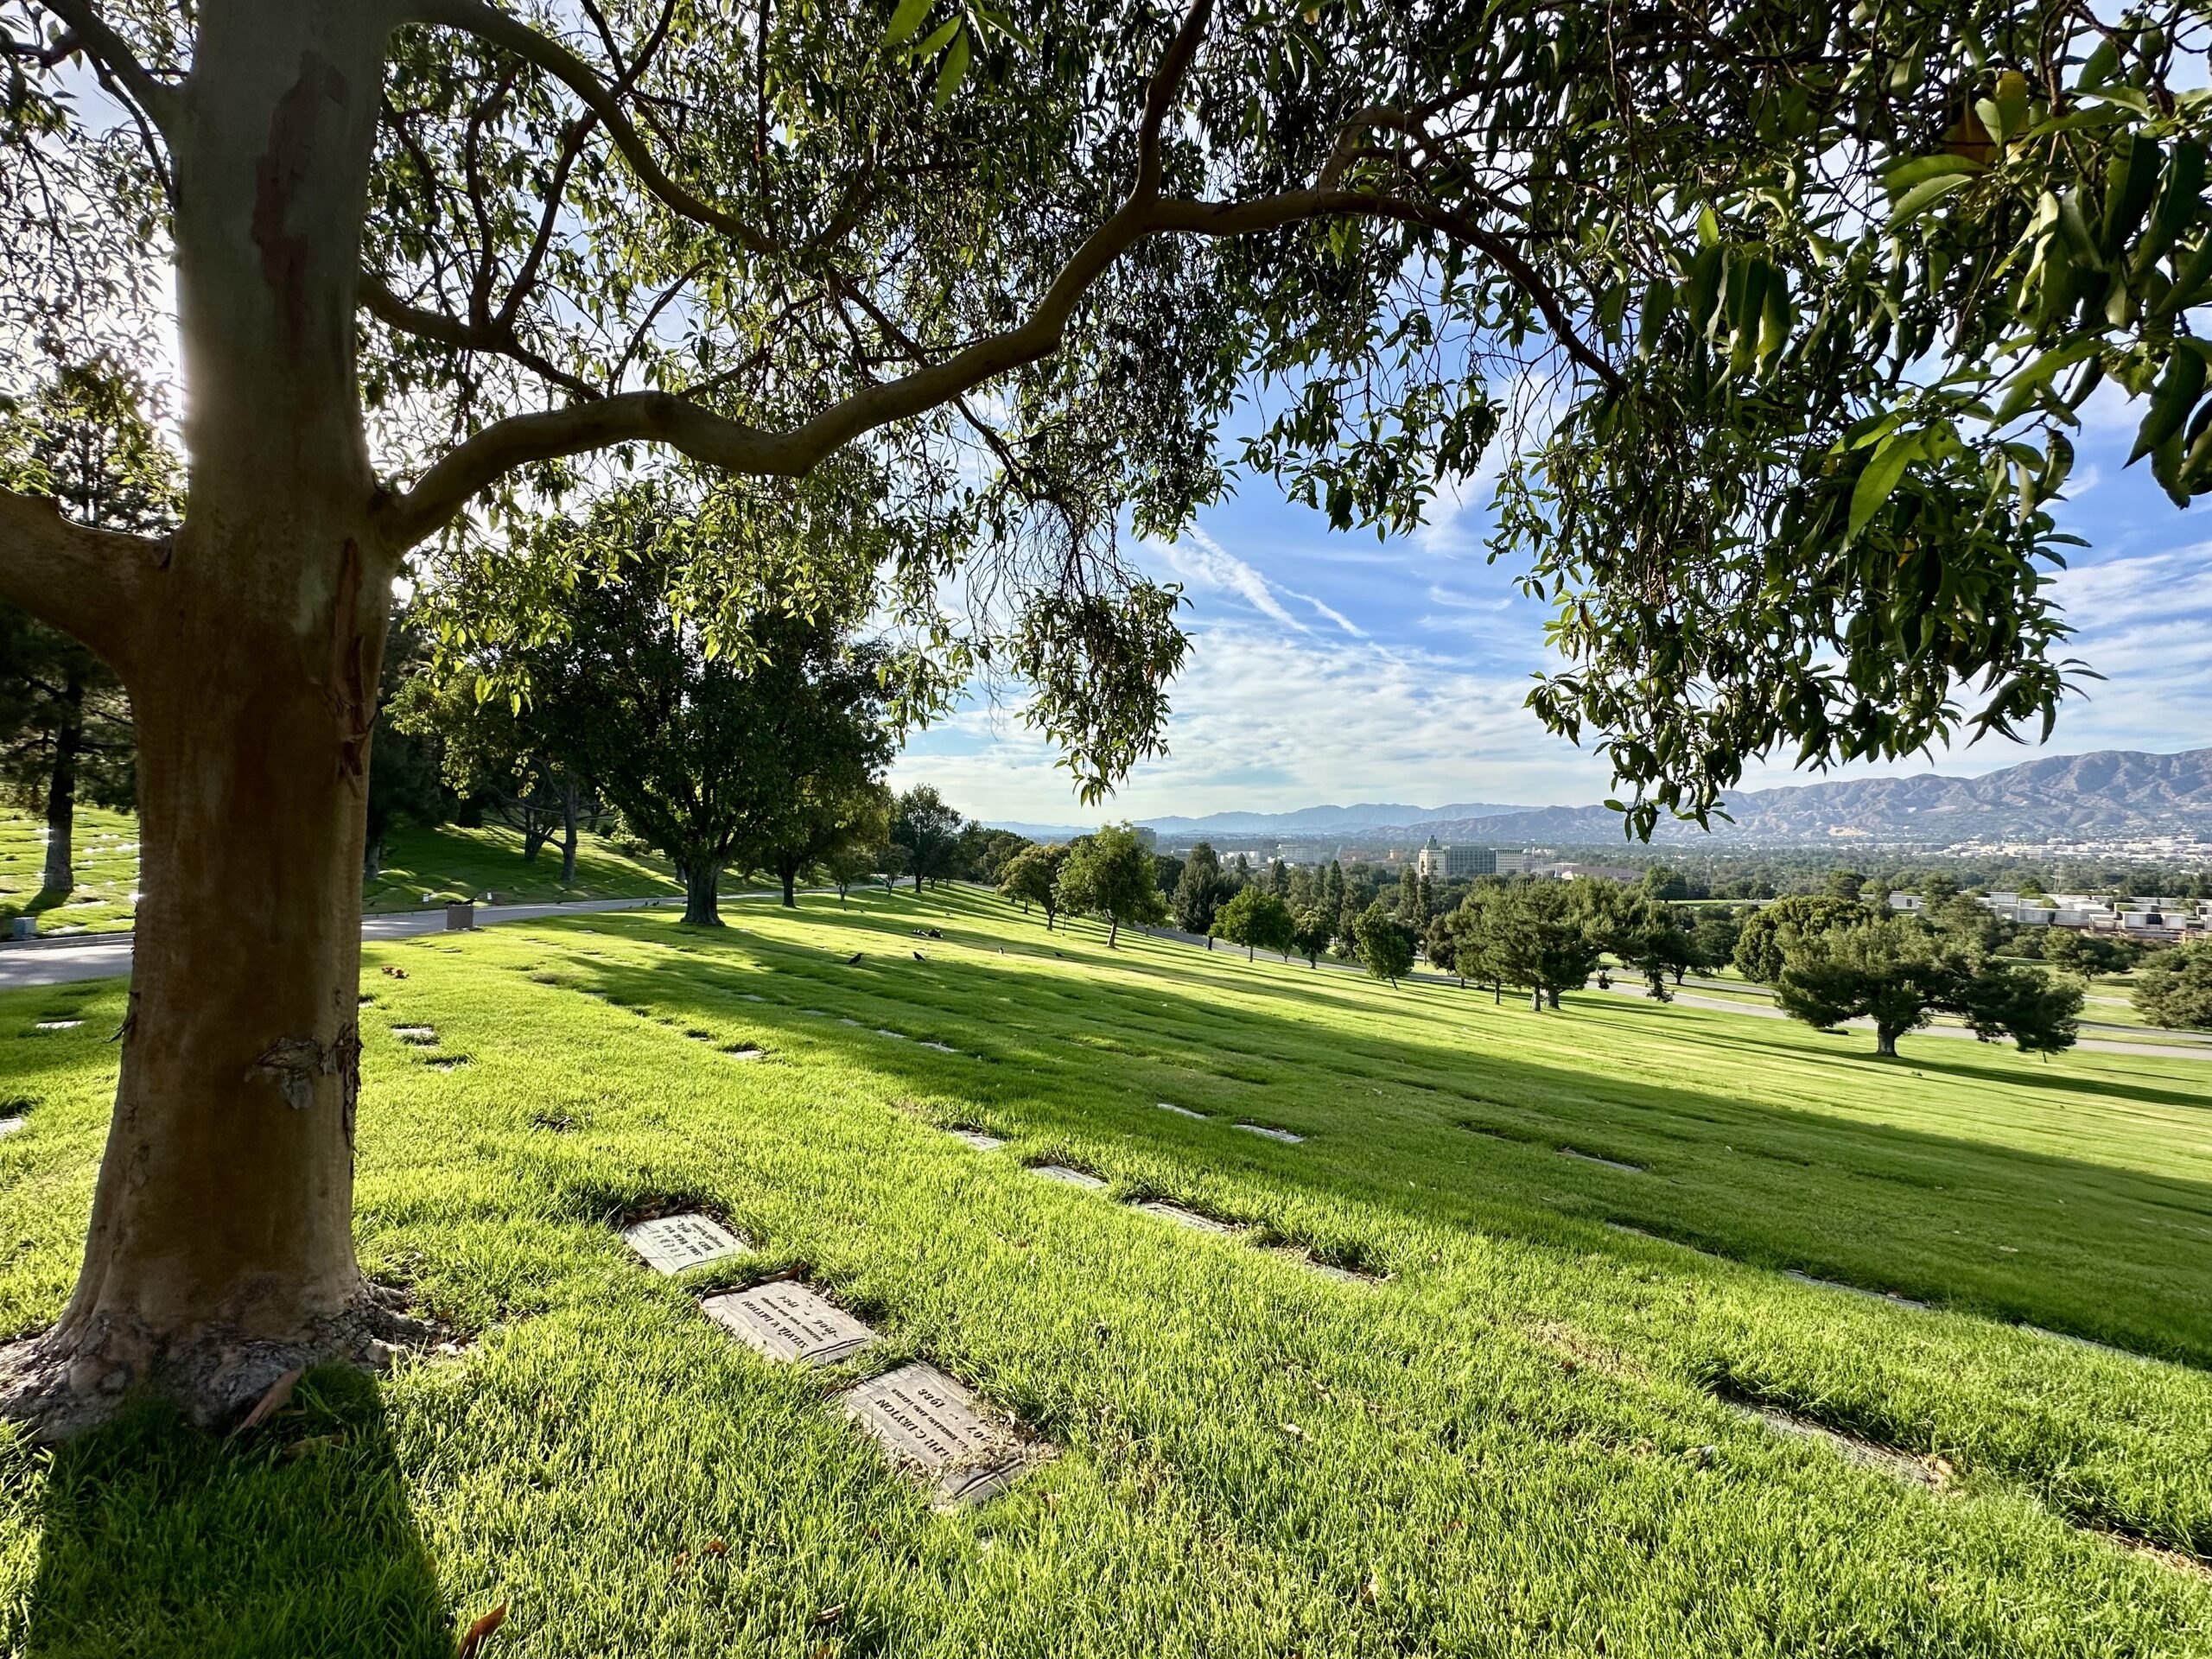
(107,955)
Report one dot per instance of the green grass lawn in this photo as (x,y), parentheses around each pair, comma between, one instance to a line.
(1531,1438)
(107,872)
(423,867)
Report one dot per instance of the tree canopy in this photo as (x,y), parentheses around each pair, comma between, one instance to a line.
(1109,874)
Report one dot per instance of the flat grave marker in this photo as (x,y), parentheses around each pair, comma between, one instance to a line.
(942,1048)
(10,1125)
(786,1319)
(1180,1111)
(935,1428)
(678,1243)
(58,1025)
(1313,1263)
(978,1139)
(883,1031)
(746,1051)
(1853,1290)
(1190,1218)
(1610,1163)
(1286,1136)
(1062,1173)
(421,1036)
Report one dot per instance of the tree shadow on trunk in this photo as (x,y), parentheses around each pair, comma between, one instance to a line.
(157,1538)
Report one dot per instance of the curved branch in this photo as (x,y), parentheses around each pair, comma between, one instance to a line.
(488,23)
(497,338)
(156,99)
(716,440)
(84,581)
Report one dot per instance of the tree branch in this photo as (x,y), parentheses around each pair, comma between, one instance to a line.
(717,440)
(82,581)
(498,337)
(488,23)
(157,100)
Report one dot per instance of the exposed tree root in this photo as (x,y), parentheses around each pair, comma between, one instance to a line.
(60,1382)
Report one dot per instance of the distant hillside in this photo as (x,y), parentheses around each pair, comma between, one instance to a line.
(1325,820)
(2113,792)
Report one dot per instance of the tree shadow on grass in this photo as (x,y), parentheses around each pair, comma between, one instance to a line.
(2111,1252)
(157,1539)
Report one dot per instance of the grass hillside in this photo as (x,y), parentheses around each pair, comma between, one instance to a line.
(1542,1433)
(422,868)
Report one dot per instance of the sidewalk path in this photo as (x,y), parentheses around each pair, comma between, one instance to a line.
(106,956)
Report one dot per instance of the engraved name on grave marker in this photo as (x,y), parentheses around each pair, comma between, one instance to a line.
(786,1319)
(929,1423)
(673,1243)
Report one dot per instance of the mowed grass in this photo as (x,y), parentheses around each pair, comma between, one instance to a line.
(422,866)
(107,849)
(1529,1440)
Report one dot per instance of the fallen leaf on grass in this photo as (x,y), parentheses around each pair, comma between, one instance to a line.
(397,973)
(715,1547)
(830,1614)
(278,1395)
(474,1639)
(314,1444)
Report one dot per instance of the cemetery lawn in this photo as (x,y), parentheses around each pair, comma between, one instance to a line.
(1535,1438)
(422,867)
(107,872)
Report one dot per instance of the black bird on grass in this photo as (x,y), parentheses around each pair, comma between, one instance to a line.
(919,957)
(854,960)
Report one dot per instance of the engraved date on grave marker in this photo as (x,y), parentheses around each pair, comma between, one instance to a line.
(932,1425)
(786,1319)
(672,1243)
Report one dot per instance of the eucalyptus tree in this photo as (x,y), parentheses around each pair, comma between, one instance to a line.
(1837,278)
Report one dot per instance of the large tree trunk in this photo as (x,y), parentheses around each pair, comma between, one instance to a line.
(702,894)
(220,1250)
(1886,1040)
(60,875)
(788,869)
(568,814)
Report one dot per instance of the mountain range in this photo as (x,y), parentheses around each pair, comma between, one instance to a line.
(2110,794)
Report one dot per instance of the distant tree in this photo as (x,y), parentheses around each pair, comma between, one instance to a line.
(2089,954)
(1314,930)
(1166,872)
(1645,934)
(1109,874)
(891,864)
(1386,944)
(2041,1012)
(1199,891)
(928,832)
(1238,874)
(2174,989)
(1440,945)
(1302,889)
(1713,939)
(1967,921)
(1661,883)
(989,851)
(1936,890)
(1478,939)
(1278,879)
(406,765)
(853,862)
(1759,945)
(1846,884)
(1032,877)
(1552,935)
(498,751)
(1256,919)
(1409,908)
(836,803)
(82,439)
(1898,972)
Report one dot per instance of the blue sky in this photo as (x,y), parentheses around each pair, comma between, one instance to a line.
(1327,667)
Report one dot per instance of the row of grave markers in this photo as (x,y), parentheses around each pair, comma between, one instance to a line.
(928,1422)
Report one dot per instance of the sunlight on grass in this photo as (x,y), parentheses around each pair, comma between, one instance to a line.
(1529,1440)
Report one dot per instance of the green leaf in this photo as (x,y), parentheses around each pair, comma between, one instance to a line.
(1924,195)
(2176,393)
(905,21)
(955,70)
(1921,168)
(1879,481)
